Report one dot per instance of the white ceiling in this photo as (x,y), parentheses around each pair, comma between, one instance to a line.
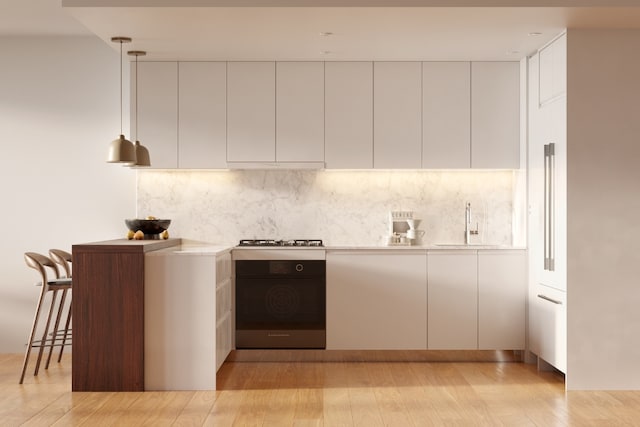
(37,17)
(260,31)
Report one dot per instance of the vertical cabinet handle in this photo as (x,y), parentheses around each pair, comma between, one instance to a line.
(549,206)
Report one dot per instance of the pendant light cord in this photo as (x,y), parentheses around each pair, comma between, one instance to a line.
(121,89)
(136,97)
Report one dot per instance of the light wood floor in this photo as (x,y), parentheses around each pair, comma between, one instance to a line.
(323,394)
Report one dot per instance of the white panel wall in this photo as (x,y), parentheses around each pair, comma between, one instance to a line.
(59,110)
(603,227)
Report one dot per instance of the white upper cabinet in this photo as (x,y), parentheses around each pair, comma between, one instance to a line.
(349,115)
(300,111)
(383,115)
(202,120)
(397,116)
(157,111)
(553,70)
(453,300)
(446,115)
(251,108)
(495,115)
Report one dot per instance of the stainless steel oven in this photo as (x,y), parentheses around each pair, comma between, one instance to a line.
(280,298)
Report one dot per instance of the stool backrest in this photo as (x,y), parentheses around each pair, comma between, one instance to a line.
(63,259)
(39,262)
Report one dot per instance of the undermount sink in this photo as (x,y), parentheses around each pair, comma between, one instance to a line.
(466,245)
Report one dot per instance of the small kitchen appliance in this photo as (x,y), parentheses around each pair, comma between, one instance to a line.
(403,229)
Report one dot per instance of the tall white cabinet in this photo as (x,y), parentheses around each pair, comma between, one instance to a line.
(547,204)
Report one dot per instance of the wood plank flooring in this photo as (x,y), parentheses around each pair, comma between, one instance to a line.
(323,394)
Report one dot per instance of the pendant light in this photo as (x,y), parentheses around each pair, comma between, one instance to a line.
(121,149)
(142,154)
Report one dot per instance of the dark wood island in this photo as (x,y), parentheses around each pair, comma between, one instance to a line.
(108,314)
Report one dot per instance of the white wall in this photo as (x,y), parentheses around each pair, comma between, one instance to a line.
(59,109)
(603,230)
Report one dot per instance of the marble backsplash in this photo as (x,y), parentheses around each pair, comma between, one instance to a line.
(340,207)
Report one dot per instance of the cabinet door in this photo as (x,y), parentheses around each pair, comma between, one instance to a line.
(554,121)
(535,180)
(397,117)
(548,325)
(495,117)
(446,115)
(224,304)
(157,111)
(502,295)
(376,301)
(300,111)
(202,115)
(349,115)
(179,322)
(453,300)
(251,112)
(553,70)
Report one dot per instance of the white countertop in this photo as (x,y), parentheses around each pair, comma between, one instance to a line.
(426,247)
(204,248)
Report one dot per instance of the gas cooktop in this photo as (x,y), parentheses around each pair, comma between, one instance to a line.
(281,243)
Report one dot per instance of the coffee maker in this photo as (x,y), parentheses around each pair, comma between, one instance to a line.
(403,229)
(398,228)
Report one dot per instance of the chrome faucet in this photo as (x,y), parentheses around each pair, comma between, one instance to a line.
(467,225)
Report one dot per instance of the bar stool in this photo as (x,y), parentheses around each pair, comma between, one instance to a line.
(64,260)
(54,286)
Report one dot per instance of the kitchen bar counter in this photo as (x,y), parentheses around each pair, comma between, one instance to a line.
(108,313)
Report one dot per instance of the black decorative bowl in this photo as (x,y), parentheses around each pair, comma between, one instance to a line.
(150,227)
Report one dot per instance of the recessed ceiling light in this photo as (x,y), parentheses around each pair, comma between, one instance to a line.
(326,33)
(535,33)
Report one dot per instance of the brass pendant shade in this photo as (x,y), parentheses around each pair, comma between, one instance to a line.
(142,155)
(121,150)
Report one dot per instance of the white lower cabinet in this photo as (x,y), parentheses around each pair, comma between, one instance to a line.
(224,308)
(453,300)
(187,317)
(376,300)
(548,325)
(502,293)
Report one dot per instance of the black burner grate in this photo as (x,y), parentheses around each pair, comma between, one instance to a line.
(284,243)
